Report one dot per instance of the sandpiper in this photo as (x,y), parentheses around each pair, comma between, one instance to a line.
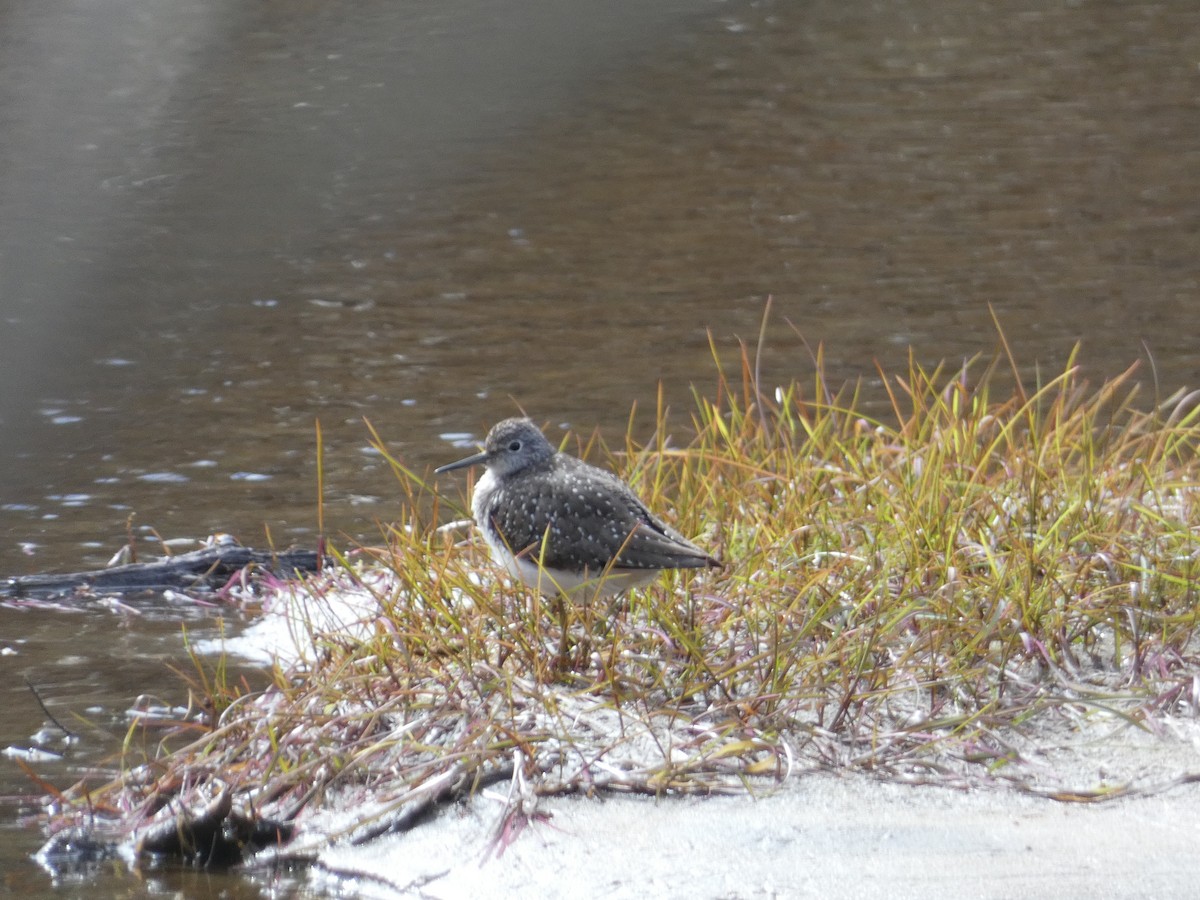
(559,524)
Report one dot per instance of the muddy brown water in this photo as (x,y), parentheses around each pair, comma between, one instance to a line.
(220,223)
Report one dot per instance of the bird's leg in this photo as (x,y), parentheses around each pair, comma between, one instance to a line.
(560,609)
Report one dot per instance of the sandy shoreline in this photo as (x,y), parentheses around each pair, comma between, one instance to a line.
(828,836)
(819,837)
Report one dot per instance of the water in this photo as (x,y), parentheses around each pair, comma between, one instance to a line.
(220,223)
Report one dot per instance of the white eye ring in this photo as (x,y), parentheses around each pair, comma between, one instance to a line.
(514,446)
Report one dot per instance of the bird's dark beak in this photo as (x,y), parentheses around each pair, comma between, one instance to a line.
(462,463)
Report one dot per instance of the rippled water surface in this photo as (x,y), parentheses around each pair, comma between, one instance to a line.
(221,222)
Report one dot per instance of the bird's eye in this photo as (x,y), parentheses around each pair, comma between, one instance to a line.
(514,446)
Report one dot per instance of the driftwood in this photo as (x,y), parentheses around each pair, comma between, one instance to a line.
(204,570)
(215,836)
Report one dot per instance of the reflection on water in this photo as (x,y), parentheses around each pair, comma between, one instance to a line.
(220,222)
(311,236)
(180,184)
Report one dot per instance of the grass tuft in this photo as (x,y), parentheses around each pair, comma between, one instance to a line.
(911,596)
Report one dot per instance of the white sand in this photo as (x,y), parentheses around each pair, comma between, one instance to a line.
(820,837)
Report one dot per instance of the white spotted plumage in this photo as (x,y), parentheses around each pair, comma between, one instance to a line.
(559,524)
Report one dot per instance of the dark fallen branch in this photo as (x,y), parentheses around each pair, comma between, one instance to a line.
(212,837)
(206,570)
(454,784)
(213,834)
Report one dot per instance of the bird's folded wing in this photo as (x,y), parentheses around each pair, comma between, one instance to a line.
(648,547)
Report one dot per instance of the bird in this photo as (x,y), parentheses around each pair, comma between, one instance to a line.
(561,525)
